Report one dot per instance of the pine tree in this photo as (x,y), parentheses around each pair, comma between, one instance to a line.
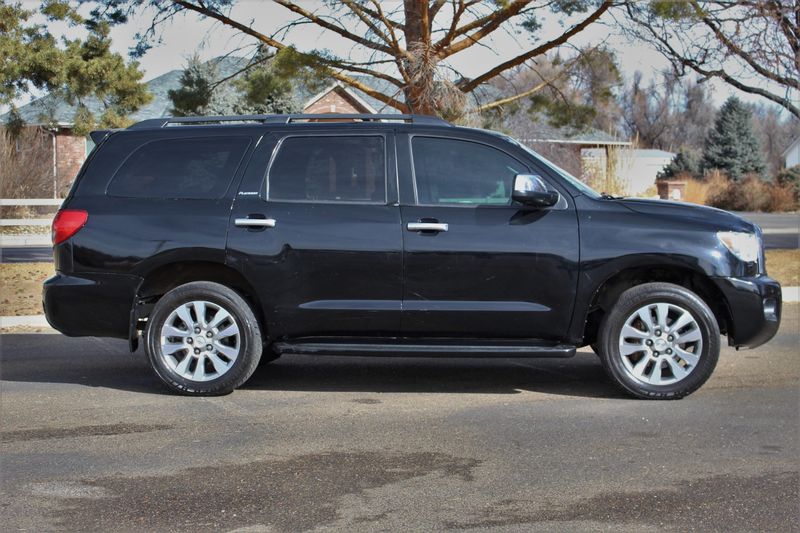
(262,89)
(732,145)
(684,162)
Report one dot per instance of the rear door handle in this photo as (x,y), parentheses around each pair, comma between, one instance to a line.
(427,226)
(255,222)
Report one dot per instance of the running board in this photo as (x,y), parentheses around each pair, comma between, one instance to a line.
(399,347)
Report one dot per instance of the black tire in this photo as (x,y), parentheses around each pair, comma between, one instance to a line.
(650,293)
(250,343)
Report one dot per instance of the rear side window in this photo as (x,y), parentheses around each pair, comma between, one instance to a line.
(196,168)
(329,169)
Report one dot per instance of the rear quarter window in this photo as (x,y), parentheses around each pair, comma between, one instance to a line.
(190,168)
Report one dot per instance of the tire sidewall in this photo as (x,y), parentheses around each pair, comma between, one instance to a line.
(250,338)
(638,297)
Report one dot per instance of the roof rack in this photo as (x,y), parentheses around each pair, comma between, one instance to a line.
(287,119)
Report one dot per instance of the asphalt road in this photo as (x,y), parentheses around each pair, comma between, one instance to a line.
(91,442)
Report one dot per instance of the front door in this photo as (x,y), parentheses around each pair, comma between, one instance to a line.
(319,234)
(474,264)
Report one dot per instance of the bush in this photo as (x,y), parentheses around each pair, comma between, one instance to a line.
(750,194)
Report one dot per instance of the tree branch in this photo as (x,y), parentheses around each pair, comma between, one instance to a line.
(733,48)
(492,22)
(333,27)
(470,85)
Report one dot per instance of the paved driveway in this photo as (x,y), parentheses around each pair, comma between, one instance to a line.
(91,442)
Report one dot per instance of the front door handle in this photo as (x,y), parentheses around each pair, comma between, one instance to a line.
(427,226)
(255,222)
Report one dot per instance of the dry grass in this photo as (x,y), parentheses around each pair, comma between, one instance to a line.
(21,283)
(784,266)
(21,287)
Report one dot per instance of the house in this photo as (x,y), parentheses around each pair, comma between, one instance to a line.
(791,156)
(54,116)
(633,170)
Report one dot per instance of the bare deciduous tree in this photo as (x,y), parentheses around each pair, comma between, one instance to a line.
(753,45)
(410,44)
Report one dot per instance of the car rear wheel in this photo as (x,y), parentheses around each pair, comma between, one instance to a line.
(660,341)
(203,339)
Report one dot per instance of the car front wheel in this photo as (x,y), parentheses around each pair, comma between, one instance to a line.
(660,341)
(203,339)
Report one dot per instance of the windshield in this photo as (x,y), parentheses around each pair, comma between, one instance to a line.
(578,184)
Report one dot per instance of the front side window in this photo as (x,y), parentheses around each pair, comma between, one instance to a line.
(451,171)
(196,168)
(329,169)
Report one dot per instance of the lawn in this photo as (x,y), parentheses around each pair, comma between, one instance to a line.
(21,283)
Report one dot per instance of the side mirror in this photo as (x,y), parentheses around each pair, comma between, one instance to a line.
(530,190)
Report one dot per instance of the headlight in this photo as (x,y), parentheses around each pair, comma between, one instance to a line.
(745,246)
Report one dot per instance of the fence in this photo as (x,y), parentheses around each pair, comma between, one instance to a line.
(33,202)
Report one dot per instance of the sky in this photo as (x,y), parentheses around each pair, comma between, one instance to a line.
(187,35)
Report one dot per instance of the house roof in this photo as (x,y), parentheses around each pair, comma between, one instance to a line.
(791,145)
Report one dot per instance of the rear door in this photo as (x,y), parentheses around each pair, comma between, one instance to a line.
(474,264)
(316,228)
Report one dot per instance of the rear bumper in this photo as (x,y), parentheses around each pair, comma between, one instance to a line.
(90,304)
(755,309)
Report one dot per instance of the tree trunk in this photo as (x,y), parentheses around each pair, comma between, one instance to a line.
(419,92)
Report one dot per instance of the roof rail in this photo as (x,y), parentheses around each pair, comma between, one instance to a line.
(287,119)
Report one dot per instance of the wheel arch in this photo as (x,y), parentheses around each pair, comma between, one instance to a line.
(608,291)
(166,277)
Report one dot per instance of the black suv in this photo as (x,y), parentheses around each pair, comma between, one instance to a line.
(227,241)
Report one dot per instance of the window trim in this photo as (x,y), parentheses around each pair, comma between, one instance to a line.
(238,166)
(264,192)
(411,137)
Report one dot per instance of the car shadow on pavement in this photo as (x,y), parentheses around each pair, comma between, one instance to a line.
(94,362)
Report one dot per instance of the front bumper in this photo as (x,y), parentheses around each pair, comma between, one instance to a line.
(90,304)
(755,309)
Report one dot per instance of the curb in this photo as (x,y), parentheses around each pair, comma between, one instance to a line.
(790,295)
(24,320)
(25,240)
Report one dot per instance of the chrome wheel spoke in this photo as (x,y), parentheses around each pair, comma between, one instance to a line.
(689,357)
(185,316)
(627,349)
(219,317)
(184,364)
(662,312)
(630,331)
(647,318)
(684,320)
(691,336)
(199,369)
(219,365)
(200,312)
(227,332)
(640,367)
(172,347)
(227,351)
(200,342)
(655,374)
(677,370)
(171,331)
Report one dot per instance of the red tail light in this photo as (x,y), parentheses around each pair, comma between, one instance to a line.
(67,223)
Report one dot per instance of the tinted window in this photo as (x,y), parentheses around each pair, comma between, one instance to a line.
(345,169)
(450,171)
(180,168)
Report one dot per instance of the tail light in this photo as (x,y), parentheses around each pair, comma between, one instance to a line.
(67,223)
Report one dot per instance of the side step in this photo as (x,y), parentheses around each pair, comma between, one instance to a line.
(403,347)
